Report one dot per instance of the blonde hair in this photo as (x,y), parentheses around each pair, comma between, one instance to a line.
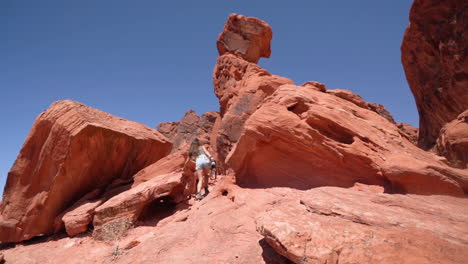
(194,147)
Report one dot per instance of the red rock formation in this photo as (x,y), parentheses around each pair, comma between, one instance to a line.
(222,228)
(409,132)
(303,138)
(114,217)
(357,100)
(327,225)
(182,133)
(77,218)
(434,56)
(247,37)
(275,134)
(240,86)
(71,150)
(453,141)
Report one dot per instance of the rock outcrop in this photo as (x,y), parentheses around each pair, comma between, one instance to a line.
(247,37)
(357,100)
(114,217)
(240,86)
(453,141)
(328,225)
(332,221)
(71,150)
(191,126)
(434,57)
(303,138)
(282,145)
(409,132)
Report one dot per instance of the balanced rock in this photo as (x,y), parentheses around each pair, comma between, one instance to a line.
(453,141)
(434,57)
(247,37)
(303,138)
(360,225)
(71,150)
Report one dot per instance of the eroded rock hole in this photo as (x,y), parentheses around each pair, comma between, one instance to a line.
(224,192)
(157,210)
(298,108)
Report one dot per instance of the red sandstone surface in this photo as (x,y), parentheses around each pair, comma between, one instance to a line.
(434,57)
(310,175)
(71,150)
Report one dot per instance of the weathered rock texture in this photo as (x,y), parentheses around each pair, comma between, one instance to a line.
(240,86)
(434,56)
(453,141)
(283,140)
(357,100)
(118,214)
(247,37)
(409,132)
(335,225)
(329,223)
(71,150)
(191,126)
(304,138)
(77,218)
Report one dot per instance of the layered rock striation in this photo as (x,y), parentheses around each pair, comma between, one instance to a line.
(313,176)
(71,150)
(434,57)
(304,138)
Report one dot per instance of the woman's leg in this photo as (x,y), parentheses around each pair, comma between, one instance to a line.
(206,175)
(199,174)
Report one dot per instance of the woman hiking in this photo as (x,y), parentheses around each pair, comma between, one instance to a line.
(203,159)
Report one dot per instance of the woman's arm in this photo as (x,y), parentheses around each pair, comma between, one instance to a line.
(207,153)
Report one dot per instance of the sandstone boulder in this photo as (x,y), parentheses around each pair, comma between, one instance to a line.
(71,150)
(78,218)
(434,57)
(453,141)
(170,164)
(114,217)
(336,225)
(247,37)
(303,138)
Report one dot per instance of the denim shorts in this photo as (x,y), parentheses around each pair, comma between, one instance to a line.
(202,162)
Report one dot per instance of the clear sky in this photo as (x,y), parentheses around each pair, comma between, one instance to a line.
(150,61)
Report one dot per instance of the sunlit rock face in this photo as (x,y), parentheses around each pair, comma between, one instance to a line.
(434,57)
(71,150)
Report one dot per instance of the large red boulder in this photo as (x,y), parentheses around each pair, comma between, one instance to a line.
(361,225)
(114,217)
(71,150)
(434,57)
(453,141)
(304,138)
(247,37)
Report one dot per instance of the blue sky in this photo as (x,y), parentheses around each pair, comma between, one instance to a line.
(150,61)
